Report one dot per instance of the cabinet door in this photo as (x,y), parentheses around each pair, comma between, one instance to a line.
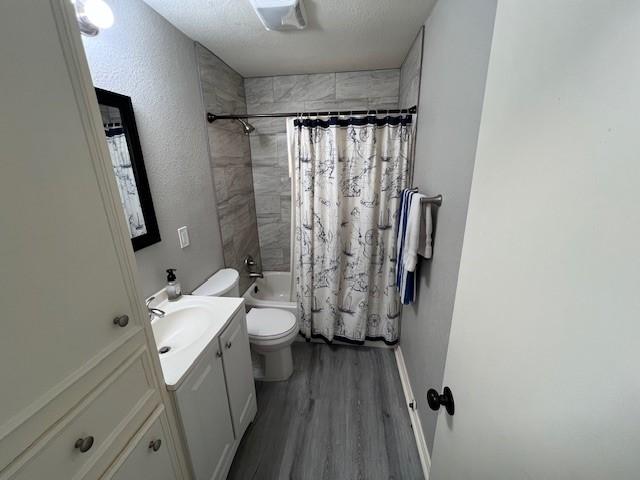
(64,273)
(148,454)
(239,373)
(204,410)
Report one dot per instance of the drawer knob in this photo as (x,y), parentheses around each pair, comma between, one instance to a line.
(218,354)
(228,345)
(121,321)
(155,445)
(84,444)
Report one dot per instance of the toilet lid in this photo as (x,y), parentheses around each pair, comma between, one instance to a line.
(218,284)
(270,322)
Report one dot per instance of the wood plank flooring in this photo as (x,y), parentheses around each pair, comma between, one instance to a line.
(341,415)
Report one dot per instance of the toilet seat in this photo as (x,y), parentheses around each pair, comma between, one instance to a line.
(270,323)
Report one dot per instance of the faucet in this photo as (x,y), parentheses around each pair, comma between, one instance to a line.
(249,263)
(153,312)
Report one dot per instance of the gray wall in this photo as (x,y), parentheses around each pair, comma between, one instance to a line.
(454,68)
(145,57)
(296,93)
(230,157)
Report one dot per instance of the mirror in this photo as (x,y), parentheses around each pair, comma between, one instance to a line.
(128,167)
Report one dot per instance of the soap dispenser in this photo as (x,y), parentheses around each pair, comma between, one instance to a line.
(174,291)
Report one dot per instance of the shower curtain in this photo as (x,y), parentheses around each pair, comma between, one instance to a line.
(123,170)
(348,178)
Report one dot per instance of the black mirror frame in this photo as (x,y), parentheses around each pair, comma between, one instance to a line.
(123,103)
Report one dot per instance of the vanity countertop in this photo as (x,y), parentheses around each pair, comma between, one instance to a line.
(190,324)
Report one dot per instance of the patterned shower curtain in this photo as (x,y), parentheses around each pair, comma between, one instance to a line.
(125,178)
(348,178)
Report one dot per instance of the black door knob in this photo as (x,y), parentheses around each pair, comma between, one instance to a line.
(155,444)
(446,399)
(84,444)
(121,321)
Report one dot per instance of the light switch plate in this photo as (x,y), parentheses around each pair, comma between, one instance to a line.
(183,236)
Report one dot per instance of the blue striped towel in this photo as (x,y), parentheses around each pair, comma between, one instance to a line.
(405,280)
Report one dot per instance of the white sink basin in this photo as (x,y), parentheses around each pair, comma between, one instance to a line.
(190,324)
(180,328)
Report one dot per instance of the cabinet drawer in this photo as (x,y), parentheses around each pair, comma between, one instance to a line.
(118,406)
(148,454)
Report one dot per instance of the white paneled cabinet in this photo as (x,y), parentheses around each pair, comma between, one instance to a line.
(216,401)
(204,411)
(234,343)
(148,455)
(76,386)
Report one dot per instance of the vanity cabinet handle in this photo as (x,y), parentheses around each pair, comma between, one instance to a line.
(121,321)
(218,354)
(155,445)
(84,444)
(228,345)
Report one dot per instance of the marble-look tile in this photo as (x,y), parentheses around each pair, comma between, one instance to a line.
(259,89)
(240,181)
(266,181)
(383,103)
(285,209)
(374,83)
(223,143)
(269,234)
(275,107)
(338,105)
(266,126)
(222,161)
(230,158)
(273,259)
(273,254)
(222,87)
(282,151)
(285,181)
(263,147)
(410,73)
(267,204)
(220,184)
(304,87)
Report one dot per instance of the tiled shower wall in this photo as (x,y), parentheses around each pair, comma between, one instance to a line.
(410,73)
(230,158)
(297,93)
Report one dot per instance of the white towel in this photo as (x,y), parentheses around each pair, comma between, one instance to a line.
(426,229)
(412,237)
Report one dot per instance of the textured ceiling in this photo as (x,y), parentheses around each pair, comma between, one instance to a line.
(342,35)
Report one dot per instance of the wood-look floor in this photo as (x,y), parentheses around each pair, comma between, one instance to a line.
(341,415)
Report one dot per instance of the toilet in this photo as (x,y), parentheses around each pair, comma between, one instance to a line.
(271,330)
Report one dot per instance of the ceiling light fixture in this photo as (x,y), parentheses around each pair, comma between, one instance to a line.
(281,14)
(93,16)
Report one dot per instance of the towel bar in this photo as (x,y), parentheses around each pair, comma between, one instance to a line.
(437,200)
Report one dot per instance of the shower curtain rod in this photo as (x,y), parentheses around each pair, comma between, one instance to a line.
(211,117)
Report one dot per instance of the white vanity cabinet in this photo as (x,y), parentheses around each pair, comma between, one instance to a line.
(236,356)
(216,401)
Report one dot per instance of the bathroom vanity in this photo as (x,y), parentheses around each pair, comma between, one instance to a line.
(207,368)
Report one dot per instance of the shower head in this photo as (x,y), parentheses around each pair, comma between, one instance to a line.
(246,126)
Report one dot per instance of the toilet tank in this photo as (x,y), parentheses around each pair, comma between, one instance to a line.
(223,283)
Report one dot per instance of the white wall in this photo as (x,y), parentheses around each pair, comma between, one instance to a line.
(454,66)
(145,57)
(545,340)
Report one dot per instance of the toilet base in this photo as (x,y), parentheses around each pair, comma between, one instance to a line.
(277,365)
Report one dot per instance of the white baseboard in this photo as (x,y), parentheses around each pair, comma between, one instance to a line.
(421,443)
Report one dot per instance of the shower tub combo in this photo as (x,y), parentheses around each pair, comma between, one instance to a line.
(272,291)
